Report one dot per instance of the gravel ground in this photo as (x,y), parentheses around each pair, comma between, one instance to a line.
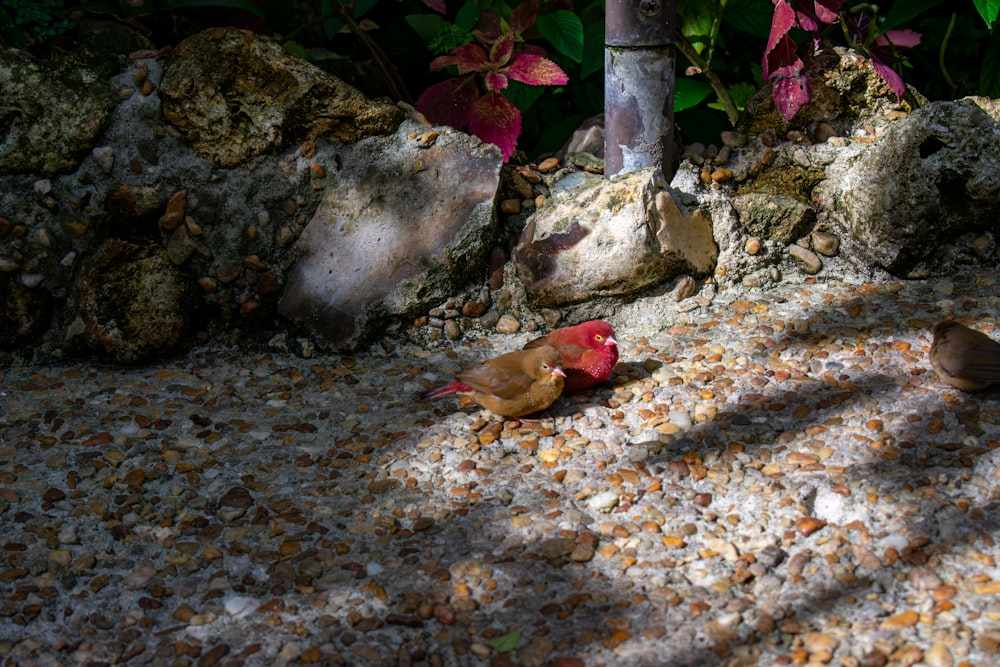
(770,478)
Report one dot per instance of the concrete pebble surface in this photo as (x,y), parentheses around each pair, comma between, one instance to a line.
(772,478)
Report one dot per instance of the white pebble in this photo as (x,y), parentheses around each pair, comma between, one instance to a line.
(240,607)
(604,502)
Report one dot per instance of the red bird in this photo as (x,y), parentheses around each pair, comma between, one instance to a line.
(512,385)
(588,350)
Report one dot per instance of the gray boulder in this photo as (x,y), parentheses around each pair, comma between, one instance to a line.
(404,223)
(916,201)
(597,237)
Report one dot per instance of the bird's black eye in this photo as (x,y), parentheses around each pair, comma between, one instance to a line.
(598,337)
(545,367)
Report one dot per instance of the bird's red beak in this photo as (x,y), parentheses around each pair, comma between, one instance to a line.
(559,371)
(610,340)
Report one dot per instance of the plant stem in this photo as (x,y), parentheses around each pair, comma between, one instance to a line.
(396,86)
(732,111)
(944,46)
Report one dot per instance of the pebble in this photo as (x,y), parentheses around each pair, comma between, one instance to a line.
(825,243)
(507,324)
(807,259)
(104,156)
(547,165)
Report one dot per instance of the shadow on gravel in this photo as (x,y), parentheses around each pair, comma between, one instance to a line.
(852,521)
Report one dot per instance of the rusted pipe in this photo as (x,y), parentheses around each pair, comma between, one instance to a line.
(639,85)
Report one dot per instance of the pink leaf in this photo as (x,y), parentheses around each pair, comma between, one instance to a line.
(524,16)
(893,80)
(783,60)
(470,58)
(436,5)
(811,13)
(502,49)
(782,21)
(496,120)
(828,11)
(789,95)
(489,27)
(495,82)
(536,71)
(443,61)
(449,102)
(904,39)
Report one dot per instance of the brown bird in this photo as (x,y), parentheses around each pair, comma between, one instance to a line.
(965,358)
(511,385)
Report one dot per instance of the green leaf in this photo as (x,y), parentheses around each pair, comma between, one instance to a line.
(696,18)
(689,93)
(427,26)
(522,95)
(564,30)
(750,16)
(903,12)
(362,7)
(467,16)
(246,5)
(593,48)
(989,75)
(507,642)
(988,9)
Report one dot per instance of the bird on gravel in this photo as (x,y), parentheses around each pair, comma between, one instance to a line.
(965,358)
(512,385)
(588,352)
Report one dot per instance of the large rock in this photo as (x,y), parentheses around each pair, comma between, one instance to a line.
(130,302)
(597,237)
(403,224)
(914,201)
(49,117)
(235,95)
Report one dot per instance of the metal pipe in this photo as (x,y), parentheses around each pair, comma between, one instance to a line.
(639,64)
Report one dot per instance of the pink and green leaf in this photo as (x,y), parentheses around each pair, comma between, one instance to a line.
(495,81)
(782,21)
(496,120)
(502,50)
(536,71)
(790,94)
(524,16)
(436,5)
(470,58)
(449,102)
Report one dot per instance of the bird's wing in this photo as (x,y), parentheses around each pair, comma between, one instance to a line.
(983,366)
(496,381)
(541,341)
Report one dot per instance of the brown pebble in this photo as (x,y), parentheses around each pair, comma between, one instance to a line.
(510,206)
(443,615)
(906,619)
(808,525)
(183,613)
(548,164)
(720,175)
(176,206)
(703,499)
(824,132)
(752,245)
(508,324)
